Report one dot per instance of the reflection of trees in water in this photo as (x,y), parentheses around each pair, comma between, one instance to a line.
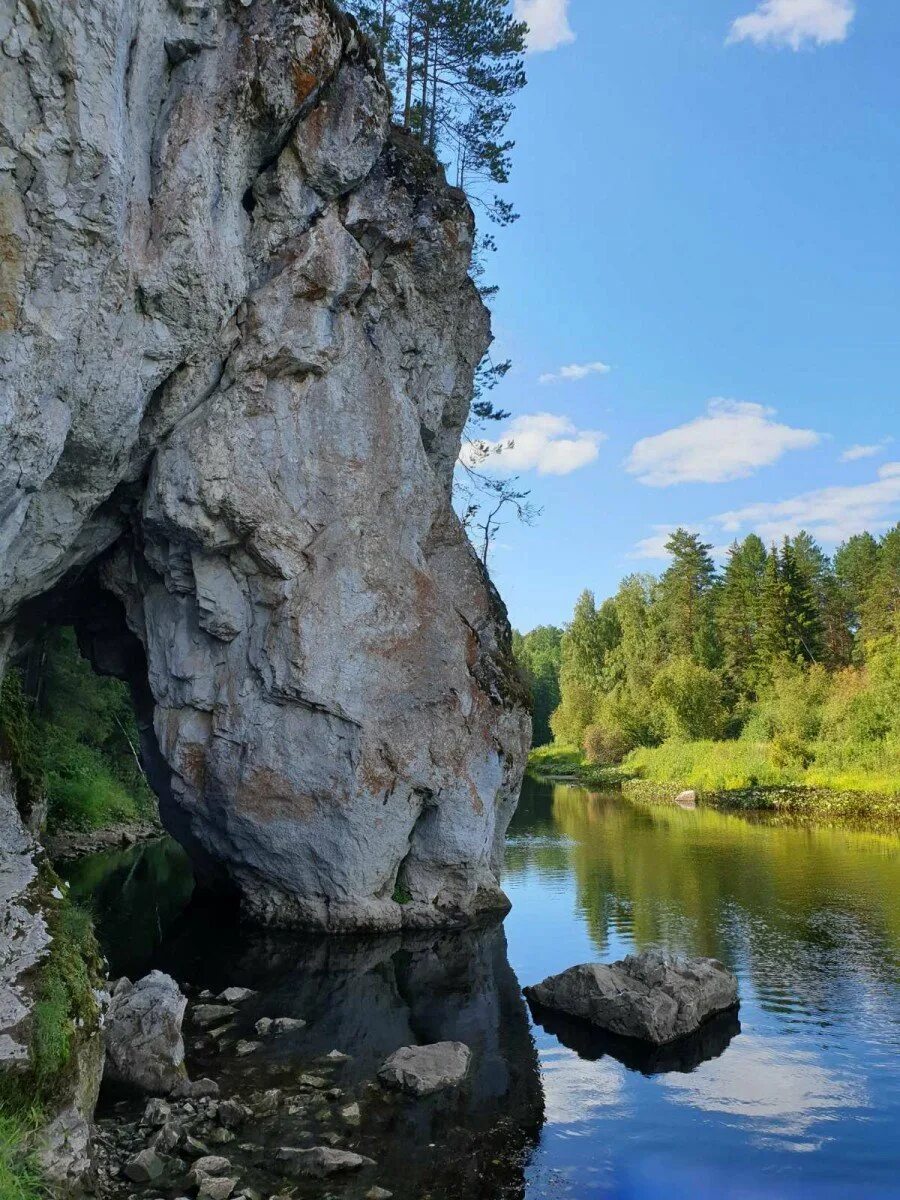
(135,895)
(813,911)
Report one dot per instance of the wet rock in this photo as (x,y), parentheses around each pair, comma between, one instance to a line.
(266,1103)
(423,1070)
(195,1088)
(144,1167)
(273,1026)
(351,1114)
(232,1114)
(235,995)
(144,1046)
(157,1112)
(378,1193)
(211,1164)
(244,1047)
(216,1189)
(319,1161)
(316,1082)
(167,1139)
(207,1015)
(336,1056)
(654,996)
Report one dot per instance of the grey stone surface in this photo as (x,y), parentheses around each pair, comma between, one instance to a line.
(144,1166)
(319,1161)
(423,1070)
(237,342)
(654,996)
(144,1046)
(24,937)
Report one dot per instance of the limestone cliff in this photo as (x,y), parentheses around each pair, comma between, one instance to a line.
(237,342)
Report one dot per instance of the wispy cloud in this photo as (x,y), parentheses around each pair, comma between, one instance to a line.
(795,22)
(854,453)
(830,514)
(541,442)
(574,372)
(548,23)
(731,441)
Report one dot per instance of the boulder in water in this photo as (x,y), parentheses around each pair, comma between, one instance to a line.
(144,1046)
(654,996)
(423,1070)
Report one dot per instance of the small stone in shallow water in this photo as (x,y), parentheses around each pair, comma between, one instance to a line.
(351,1114)
(144,1167)
(378,1193)
(232,1114)
(312,1081)
(243,1048)
(235,995)
(319,1161)
(423,1070)
(336,1056)
(206,1015)
(216,1189)
(212,1164)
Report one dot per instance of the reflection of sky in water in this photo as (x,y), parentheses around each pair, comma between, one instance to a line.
(782,1093)
(805,1101)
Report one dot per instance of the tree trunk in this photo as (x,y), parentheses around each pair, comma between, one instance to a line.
(407,106)
(432,136)
(426,50)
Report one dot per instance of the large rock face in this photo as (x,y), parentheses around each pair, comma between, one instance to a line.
(237,341)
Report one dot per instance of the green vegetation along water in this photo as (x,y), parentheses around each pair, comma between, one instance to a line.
(799,1098)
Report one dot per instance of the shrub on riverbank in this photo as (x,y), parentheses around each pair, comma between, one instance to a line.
(568,762)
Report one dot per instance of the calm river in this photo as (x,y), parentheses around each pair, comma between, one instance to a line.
(801,1098)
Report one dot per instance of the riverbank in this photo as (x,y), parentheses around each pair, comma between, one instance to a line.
(720,775)
(567,764)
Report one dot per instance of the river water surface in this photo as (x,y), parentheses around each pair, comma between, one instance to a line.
(800,1097)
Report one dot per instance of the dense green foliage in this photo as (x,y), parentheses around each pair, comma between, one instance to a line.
(73,735)
(782,668)
(538,654)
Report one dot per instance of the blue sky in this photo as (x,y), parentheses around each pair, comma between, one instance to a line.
(709,193)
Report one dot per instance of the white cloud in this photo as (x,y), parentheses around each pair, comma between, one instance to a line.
(574,372)
(548,23)
(731,442)
(830,514)
(539,442)
(793,22)
(854,453)
(654,546)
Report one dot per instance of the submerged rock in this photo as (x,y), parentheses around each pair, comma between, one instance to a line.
(144,1046)
(423,1070)
(319,1161)
(654,996)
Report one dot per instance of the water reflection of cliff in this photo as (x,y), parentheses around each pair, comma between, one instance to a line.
(364,997)
(810,912)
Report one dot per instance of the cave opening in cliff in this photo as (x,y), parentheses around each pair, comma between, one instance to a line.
(83,679)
